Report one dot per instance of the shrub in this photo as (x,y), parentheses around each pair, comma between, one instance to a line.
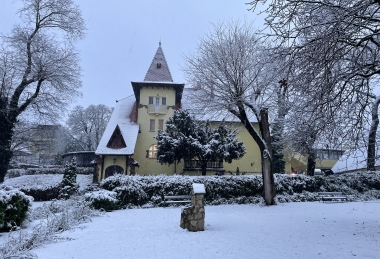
(69,184)
(43,194)
(131,195)
(103,199)
(14,206)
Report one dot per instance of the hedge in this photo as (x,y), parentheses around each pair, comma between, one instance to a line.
(140,190)
(14,206)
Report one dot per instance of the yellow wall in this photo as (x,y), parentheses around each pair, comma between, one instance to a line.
(108,161)
(251,161)
(150,166)
(299,162)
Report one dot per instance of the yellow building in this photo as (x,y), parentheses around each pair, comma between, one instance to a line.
(128,145)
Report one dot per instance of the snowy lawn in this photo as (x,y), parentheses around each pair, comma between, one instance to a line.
(289,230)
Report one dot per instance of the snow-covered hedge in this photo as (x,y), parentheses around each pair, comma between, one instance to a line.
(103,199)
(11,173)
(14,206)
(139,190)
(44,187)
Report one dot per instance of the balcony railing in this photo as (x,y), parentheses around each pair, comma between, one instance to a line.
(195,164)
(161,109)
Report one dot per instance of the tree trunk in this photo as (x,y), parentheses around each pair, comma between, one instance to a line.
(6,133)
(371,154)
(204,167)
(311,164)
(266,155)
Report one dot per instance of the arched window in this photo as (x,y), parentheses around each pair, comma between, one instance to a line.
(152,151)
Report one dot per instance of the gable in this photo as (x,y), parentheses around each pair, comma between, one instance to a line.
(116,140)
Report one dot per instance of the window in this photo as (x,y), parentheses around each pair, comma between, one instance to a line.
(150,100)
(152,125)
(152,152)
(163,100)
(161,124)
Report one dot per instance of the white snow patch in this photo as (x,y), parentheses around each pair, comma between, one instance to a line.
(199,188)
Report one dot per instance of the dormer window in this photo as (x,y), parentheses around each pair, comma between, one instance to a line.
(158,65)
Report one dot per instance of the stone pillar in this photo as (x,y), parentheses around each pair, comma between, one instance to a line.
(193,216)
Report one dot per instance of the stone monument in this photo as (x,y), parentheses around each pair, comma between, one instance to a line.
(193,216)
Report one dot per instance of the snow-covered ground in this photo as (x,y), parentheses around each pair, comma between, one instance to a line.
(290,230)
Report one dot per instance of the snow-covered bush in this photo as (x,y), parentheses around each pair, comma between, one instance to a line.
(54,218)
(14,206)
(103,199)
(136,190)
(132,194)
(69,184)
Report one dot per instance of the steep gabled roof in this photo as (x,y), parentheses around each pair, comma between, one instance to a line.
(116,141)
(159,69)
(120,127)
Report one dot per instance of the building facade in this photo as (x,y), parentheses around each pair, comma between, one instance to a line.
(128,145)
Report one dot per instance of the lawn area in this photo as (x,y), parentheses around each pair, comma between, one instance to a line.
(289,230)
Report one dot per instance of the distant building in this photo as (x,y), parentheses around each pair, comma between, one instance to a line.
(82,158)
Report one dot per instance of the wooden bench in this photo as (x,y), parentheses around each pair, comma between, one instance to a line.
(179,199)
(332,196)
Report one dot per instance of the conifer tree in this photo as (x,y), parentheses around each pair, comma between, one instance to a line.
(68,185)
(278,160)
(187,138)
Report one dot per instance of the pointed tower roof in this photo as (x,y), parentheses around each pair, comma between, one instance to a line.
(159,69)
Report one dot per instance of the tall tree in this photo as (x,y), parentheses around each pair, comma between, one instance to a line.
(232,71)
(333,47)
(277,132)
(187,138)
(87,125)
(39,66)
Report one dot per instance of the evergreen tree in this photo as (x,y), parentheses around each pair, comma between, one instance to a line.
(278,160)
(187,138)
(68,184)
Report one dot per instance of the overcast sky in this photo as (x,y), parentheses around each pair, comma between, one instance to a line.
(123,36)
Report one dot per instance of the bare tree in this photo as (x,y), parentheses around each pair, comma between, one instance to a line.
(39,66)
(333,48)
(87,125)
(232,74)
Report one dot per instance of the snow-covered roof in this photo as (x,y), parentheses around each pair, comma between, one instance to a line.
(159,70)
(354,160)
(129,129)
(206,111)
